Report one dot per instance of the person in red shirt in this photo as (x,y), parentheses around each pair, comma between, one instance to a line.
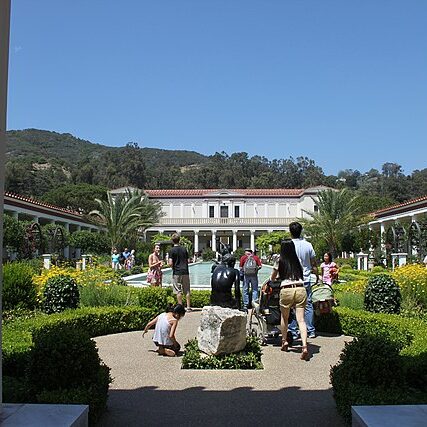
(249,266)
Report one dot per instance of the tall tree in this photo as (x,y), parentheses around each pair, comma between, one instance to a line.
(337,214)
(126,215)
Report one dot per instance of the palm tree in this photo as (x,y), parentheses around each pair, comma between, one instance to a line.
(336,217)
(126,215)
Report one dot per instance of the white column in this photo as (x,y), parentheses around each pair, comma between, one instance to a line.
(252,240)
(382,239)
(245,213)
(234,240)
(276,210)
(192,210)
(170,210)
(255,210)
(181,210)
(265,210)
(67,248)
(213,243)
(196,241)
(4,62)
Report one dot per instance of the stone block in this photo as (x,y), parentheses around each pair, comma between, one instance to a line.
(221,330)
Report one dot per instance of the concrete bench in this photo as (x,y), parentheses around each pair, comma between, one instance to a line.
(389,415)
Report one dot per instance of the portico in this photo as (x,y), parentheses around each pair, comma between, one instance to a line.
(231,216)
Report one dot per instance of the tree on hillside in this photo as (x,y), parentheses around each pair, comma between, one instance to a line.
(336,217)
(77,197)
(126,215)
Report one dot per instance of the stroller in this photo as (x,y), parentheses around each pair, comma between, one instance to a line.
(265,317)
(323,298)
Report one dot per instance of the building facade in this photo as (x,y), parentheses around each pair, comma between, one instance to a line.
(230,216)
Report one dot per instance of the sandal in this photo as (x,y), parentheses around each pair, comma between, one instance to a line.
(285,345)
(305,355)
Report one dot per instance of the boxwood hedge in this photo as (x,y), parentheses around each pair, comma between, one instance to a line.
(27,342)
(408,336)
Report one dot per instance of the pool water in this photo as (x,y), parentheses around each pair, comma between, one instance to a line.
(200,276)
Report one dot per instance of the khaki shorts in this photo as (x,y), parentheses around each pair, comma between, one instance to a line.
(181,283)
(293,297)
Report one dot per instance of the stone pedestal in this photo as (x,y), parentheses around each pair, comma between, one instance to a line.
(47,261)
(85,261)
(398,259)
(362,261)
(221,330)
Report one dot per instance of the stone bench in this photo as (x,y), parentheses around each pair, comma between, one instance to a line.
(389,415)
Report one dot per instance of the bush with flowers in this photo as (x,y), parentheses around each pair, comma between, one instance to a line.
(412,279)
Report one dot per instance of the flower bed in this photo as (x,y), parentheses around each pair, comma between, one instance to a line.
(249,358)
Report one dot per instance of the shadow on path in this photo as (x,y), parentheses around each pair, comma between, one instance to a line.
(148,406)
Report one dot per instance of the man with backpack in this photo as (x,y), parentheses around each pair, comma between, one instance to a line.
(249,266)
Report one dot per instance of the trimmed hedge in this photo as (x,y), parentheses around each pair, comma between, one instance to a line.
(50,358)
(248,358)
(18,335)
(408,336)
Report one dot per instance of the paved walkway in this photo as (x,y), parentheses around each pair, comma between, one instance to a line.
(149,390)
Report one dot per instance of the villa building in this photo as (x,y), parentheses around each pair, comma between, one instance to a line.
(234,217)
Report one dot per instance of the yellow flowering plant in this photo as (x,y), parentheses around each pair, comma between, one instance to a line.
(412,279)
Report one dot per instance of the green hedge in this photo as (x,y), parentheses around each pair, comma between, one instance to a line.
(62,342)
(18,334)
(408,336)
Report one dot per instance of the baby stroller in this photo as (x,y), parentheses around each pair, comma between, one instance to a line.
(265,317)
(323,298)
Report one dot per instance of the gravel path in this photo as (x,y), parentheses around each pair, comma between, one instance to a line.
(149,390)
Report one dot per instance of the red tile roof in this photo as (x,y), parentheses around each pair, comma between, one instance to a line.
(38,203)
(244,192)
(400,205)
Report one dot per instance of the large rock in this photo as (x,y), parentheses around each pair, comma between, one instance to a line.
(221,330)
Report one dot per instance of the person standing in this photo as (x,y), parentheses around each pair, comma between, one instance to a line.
(154,276)
(329,270)
(307,257)
(249,265)
(115,260)
(178,260)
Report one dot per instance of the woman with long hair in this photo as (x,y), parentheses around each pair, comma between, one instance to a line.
(288,270)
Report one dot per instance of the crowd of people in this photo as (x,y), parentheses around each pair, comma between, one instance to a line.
(122,260)
(294,269)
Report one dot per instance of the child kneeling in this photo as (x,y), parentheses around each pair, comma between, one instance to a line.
(164,333)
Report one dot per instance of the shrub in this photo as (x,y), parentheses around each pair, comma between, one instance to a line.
(199,298)
(351,262)
(153,297)
(378,269)
(90,243)
(64,362)
(249,358)
(408,336)
(350,300)
(61,292)
(103,295)
(412,280)
(382,295)
(369,368)
(208,254)
(19,291)
(17,335)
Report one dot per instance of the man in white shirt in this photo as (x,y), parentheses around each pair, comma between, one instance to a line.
(307,258)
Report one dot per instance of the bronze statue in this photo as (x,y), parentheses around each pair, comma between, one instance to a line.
(224,276)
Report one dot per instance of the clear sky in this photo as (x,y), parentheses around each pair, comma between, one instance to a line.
(342,82)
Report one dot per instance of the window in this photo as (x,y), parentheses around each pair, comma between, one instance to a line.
(316,208)
(223,213)
(211,211)
(236,211)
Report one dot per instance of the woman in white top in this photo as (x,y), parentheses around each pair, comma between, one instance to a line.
(292,293)
(164,333)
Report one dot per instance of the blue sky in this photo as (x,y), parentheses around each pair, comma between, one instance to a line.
(342,82)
